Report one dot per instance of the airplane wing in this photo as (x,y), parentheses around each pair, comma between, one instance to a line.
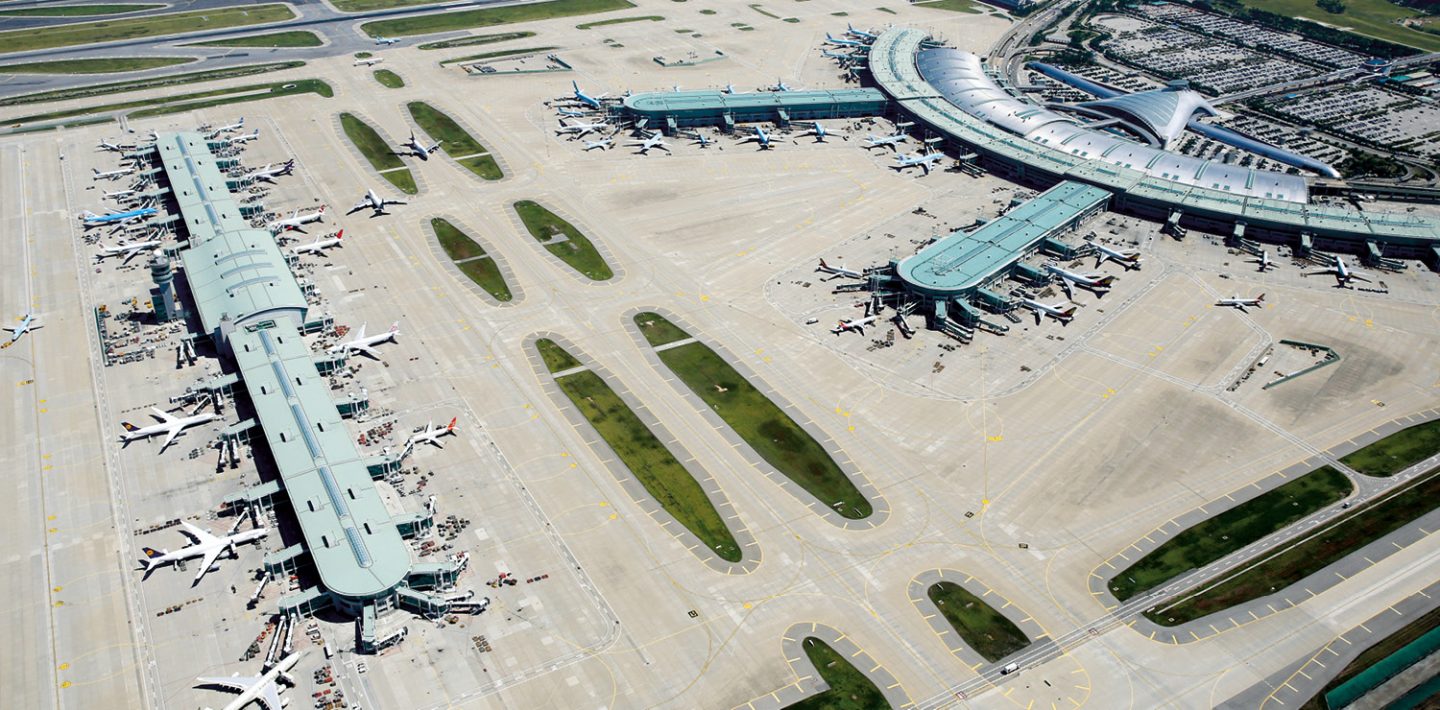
(270,697)
(396,202)
(207,563)
(366,349)
(234,684)
(1358,277)
(1065,284)
(162,415)
(198,534)
(170,437)
(133,253)
(359,206)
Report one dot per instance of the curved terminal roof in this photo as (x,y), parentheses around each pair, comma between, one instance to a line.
(961,79)
(1163,112)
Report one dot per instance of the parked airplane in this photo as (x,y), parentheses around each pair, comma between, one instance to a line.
(90,219)
(1098,283)
(729,89)
(386,40)
(372,61)
(204,545)
(226,129)
(602,144)
(780,86)
(571,113)
(262,688)
(820,132)
(374,202)
(320,245)
(843,57)
(115,147)
(700,140)
(1343,274)
(839,271)
(1242,303)
(270,171)
(578,130)
(366,343)
(417,148)
(431,435)
(296,220)
(843,42)
(120,195)
(1128,258)
(760,137)
(858,34)
(655,140)
(584,98)
(855,324)
(129,251)
(245,138)
(27,324)
(112,175)
(170,425)
(1057,311)
(1263,261)
(917,160)
(874,141)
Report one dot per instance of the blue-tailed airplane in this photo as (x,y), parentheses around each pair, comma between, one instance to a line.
(27,324)
(916,160)
(584,98)
(382,40)
(843,42)
(570,113)
(858,34)
(820,132)
(874,141)
(91,219)
(840,55)
(759,136)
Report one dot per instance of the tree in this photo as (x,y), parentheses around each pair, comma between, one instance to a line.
(1334,7)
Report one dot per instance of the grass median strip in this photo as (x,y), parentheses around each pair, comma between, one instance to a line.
(488,17)
(389,79)
(618,21)
(475,41)
(69,35)
(849,688)
(982,627)
(77,10)
(379,153)
(563,240)
(107,65)
(1398,451)
(467,253)
(1293,563)
(664,477)
(121,87)
(1212,539)
(454,140)
(187,102)
(764,426)
(296,38)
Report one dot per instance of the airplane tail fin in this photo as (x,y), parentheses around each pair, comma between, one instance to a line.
(339,236)
(1105,281)
(127,426)
(1069,312)
(395,329)
(451,427)
(1260,299)
(575,84)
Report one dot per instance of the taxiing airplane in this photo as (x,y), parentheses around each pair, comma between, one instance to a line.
(296,220)
(263,688)
(1097,283)
(113,174)
(91,220)
(431,435)
(270,171)
(855,324)
(654,140)
(917,160)
(760,137)
(204,545)
(366,343)
(372,61)
(27,324)
(1343,273)
(129,251)
(226,129)
(578,130)
(839,271)
(320,245)
(838,42)
(584,98)
(820,132)
(417,147)
(602,144)
(374,202)
(382,40)
(1057,311)
(1242,303)
(169,425)
(1263,262)
(874,141)
(1128,258)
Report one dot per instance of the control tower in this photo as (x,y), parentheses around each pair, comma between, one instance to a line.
(162,297)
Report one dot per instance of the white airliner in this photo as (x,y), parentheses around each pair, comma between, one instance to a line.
(372,61)
(820,132)
(120,195)
(374,202)
(366,344)
(245,138)
(917,160)
(113,174)
(571,113)
(417,148)
(204,545)
(1057,311)
(1128,258)
(27,324)
(839,271)
(431,435)
(874,141)
(169,425)
(1343,274)
(855,324)
(602,144)
(1263,262)
(1242,303)
(262,688)
(320,245)
(655,140)
(296,220)
(129,251)
(580,129)
(382,40)
(226,129)
(780,86)
(584,98)
(115,147)
(1098,283)
(270,171)
(760,137)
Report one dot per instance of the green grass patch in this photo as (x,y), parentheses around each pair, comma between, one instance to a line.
(296,38)
(1334,541)
(849,688)
(389,79)
(1402,637)
(459,246)
(489,17)
(363,55)
(951,5)
(483,165)
(1397,452)
(368,5)
(619,21)
(841,13)
(403,181)
(77,10)
(454,140)
(1370,18)
(742,27)
(767,429)
(1212,539)
(197,100)
(486,274)
(659,331)
(107,65)
(149,83)
(885,10)
(555,357)
(707,11)
(576,250)
(379,153)
(79,33)
(987,631)
(664,477)
(761,9)
(476,40)
(791,20)
(495,55)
